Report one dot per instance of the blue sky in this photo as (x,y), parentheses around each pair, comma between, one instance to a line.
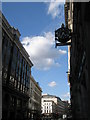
(37,22)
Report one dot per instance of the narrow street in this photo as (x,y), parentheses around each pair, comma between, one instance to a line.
(45,60)
(55,119)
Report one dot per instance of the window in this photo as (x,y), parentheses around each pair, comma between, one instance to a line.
(49,111)
(23,64)
(21,87)
(24,81)
(11,79)
(22,77)
(18,103)
(15,83)
(25,67)
(6,44)
(18,85)
(12,101)
(7,54)
(19,78)
(13,66)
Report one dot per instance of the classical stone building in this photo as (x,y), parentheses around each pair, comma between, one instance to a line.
(35,99)
(16,71)
(48,107)
(53,106)
(77,18)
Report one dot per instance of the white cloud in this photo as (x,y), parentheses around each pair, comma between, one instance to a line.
(67,95)
(52,84)
(68,84)
(44,93)
(55,8)
(62,51)
(42,50)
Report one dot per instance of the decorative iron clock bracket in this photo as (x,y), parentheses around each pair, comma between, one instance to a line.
(62,36)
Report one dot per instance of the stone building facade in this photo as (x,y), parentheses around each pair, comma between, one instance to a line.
(48,107)
(16,71)
(77,15)
(0,65)
(35,99)
(53,106)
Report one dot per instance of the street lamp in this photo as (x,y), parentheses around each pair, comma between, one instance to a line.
(62,36)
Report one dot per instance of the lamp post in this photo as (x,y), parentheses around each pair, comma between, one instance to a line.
(62,36)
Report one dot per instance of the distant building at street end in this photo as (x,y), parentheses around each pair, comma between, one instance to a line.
(53,107)
(35,99)
(16,71)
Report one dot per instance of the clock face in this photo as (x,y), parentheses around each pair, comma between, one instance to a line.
(63,34)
